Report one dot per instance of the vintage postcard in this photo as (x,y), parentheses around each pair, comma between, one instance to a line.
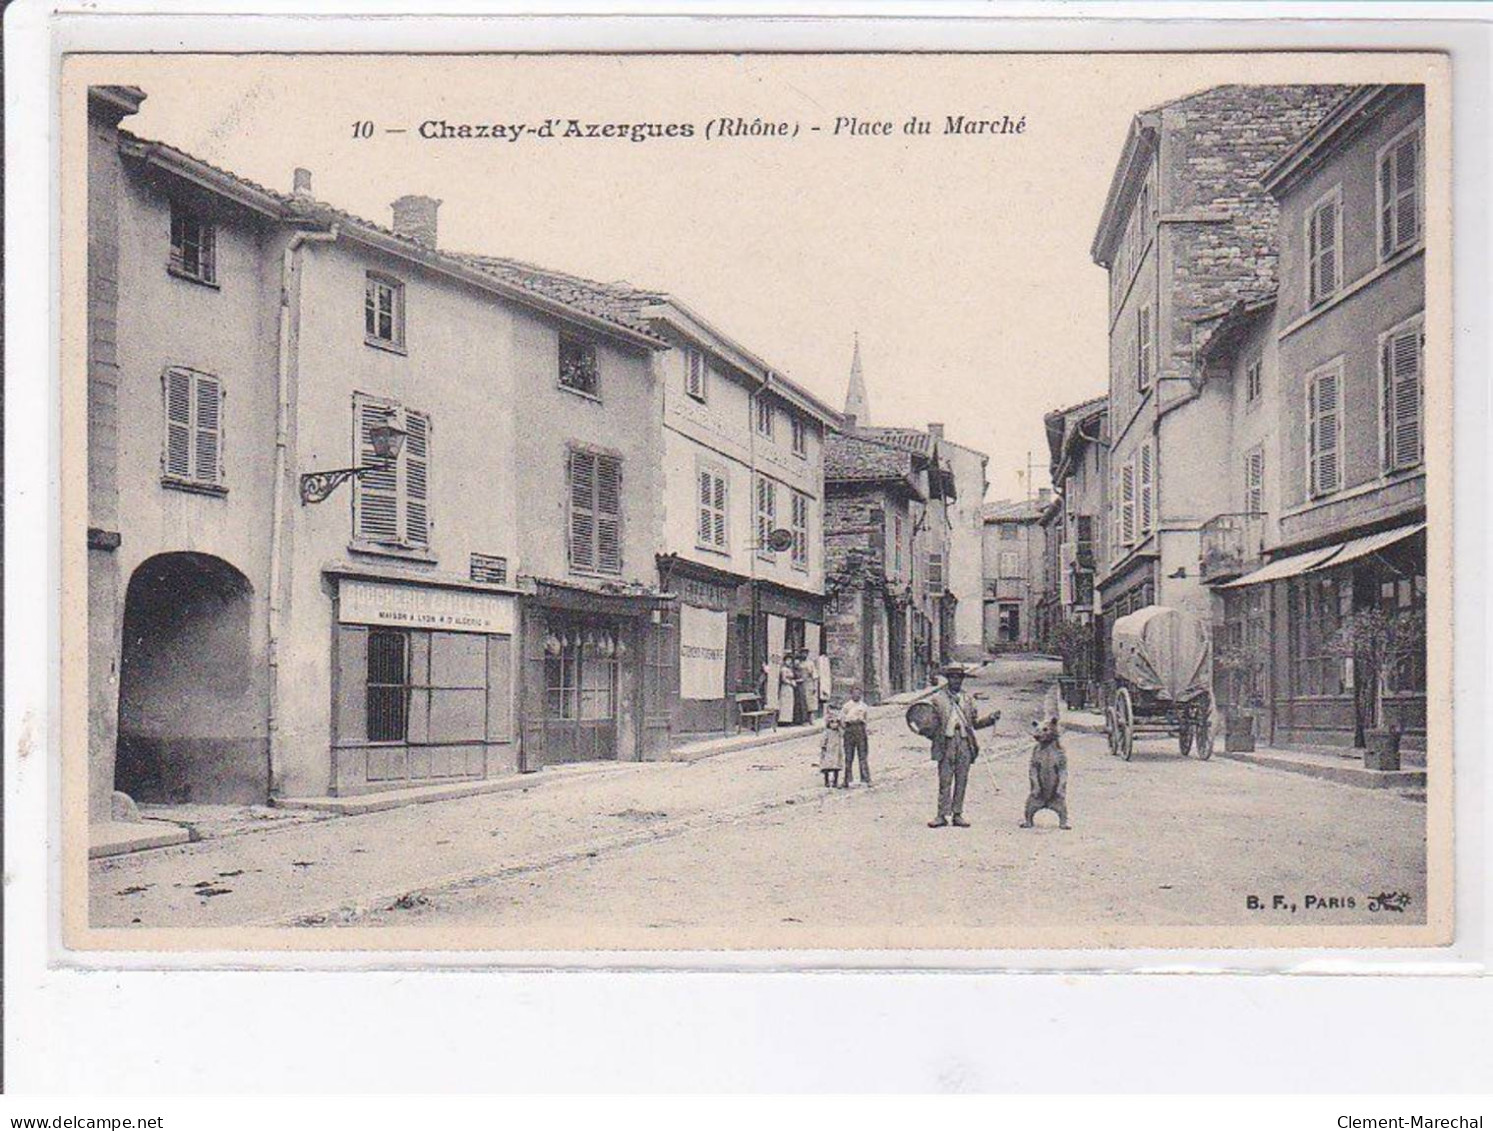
(756,502)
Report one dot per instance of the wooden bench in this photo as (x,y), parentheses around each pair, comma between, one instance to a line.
(749,709)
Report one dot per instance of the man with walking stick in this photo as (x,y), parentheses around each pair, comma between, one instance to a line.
(954,744)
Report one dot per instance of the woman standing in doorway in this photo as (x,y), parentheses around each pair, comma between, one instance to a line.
(787,690)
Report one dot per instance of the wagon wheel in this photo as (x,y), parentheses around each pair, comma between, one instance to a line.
(1204,737)
(1124,724)
(1185,729)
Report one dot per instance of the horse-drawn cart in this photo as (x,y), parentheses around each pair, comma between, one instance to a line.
(1163,665)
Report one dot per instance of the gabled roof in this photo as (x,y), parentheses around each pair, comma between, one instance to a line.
(1339,126)
(1013,510)
(852,458)
(1065,428)
(917,440)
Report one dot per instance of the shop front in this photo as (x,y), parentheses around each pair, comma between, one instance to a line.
(788,620)
(600,671)
(714,619)
(422,683)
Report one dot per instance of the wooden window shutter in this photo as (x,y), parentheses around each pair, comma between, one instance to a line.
(1127,504)
(1387,205)
(207,429)
(375,494)
(1407,191)
(1254,481)
(1323,238)
(719,525)
(416,460)
(608,514)
(1147,491)
(707,518)
(1401,366)
(1326,469)
(582,476)
(178,455)
(1143,348)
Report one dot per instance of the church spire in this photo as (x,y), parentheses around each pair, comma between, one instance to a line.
(857,404)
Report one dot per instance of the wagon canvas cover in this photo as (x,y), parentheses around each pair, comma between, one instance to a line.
(1163,650)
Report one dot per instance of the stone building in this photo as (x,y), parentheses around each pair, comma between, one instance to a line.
(1326,460)
(876,531)
(1015,572)
(1186,233)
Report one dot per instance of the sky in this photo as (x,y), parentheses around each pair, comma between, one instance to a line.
(961,260)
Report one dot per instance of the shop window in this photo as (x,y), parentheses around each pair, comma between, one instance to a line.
(1318,604)
(580,673)
(194,247)
(578,369)
(383,311)
(388,686)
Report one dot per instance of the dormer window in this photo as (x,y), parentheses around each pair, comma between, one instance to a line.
(193,247)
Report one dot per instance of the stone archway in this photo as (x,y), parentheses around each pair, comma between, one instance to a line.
(191,727)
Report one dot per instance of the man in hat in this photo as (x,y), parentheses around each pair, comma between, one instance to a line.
(954,744)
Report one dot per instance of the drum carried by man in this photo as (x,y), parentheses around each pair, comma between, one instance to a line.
(948,719)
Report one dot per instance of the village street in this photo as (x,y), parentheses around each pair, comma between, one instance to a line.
(750,841)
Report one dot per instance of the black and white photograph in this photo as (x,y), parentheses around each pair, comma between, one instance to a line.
(743,502)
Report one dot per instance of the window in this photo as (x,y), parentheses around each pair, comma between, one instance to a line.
(935,573)
(1400,353)
(800,437)
(764,417)
(595,481)
(1324,248)
(1253,379)
(1147,489)
(694,374)
(1127,505)
(1399,193)
(1324,430)
(1010,624)
(388,685)
(1010,563)
(578,366)
(1143,348)
(194,246)
(193,451)
(391,504)
(1084,537)
(383,311)
(767,512)
(580,671)
(897,545)
(710,532)
(1318,602)
(1254,481)
(1009,531)
(800,531)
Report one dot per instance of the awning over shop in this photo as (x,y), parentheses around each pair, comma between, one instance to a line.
(1373,543)
(1327,556)
(1284,567)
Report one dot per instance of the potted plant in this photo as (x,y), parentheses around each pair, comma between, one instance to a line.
(1378,641)
(1074,642)
(1238,720)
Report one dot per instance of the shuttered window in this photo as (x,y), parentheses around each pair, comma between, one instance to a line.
(694,374)
(800,437)
(1127,505)
(1324,240)
(595,481)
(935,573)
(1144,349)
(391,503)
(764,417)
(193,449)
(1400,380)
(711,525)
(1254,481)
(1324,416)
(1253,381)
(1147,489)
(800,531)
(1400,194)
(767,512)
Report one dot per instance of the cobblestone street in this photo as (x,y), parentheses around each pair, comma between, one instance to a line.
(749,844)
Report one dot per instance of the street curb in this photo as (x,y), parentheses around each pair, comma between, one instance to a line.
(1341,775)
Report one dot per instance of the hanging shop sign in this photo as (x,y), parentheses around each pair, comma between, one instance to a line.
(412,606)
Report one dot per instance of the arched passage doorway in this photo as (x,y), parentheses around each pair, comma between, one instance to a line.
(191,720)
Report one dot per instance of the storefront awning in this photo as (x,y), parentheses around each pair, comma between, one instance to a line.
(1373,543)
(1284,567)
(1326,556)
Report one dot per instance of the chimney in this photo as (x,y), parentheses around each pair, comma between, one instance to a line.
(936,431)
(414,218)
(301,186)
(848,419)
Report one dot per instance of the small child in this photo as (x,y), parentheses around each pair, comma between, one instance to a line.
(831,751)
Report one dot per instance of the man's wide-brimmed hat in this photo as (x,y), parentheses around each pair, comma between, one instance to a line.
(954,669)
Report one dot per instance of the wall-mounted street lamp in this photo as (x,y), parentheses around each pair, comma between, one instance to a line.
(388,441)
